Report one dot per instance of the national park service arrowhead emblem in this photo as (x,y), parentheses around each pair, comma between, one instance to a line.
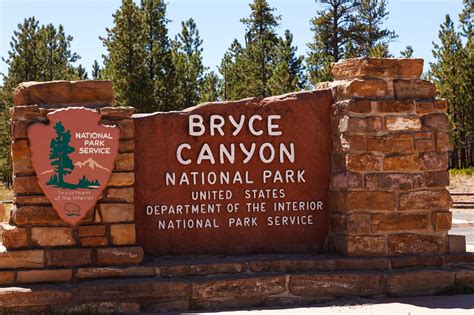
(73,157)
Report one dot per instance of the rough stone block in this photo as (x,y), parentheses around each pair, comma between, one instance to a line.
(420,281)
(26,112)
(191,268)
(91,230)
(406,243)
(441,220)
(113,272)
(340,284)
(363,162)
(363,264)
(352,142)
(395,181)
(402,123)
(366,245)
(52,236)
(424,145)
(123,234)
(121,194)
(124,162)
(14,237)
(26,297)
(21,200)
(456,244)
(369,88)
(26,185)
(391,143)
(368,200)
(292,265)
(114,113)
(414,89)
(126,289)
(367,124)
(436,122)
(126,146)
(32,276)
(117,212)
(233,287)
(395,106)
(425,199)
(21,158)
(35,215)
(68,257)
(19,129)
(401,162)
(440,104)
(22,259)
(126,129)
(465,277)
(434,161)
(93,241)
(442,141)
(119,255)
(406,68)
(63,92)
(7,277)
(121,179)
(399,222)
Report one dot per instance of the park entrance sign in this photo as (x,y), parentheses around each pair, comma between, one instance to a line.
(235,178)
(73,157)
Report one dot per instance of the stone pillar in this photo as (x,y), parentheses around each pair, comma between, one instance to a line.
(389,163)
(37,241)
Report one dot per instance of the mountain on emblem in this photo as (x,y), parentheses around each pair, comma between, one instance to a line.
(73,157)
(91,164)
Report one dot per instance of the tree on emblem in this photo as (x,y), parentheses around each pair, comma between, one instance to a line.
(59,156)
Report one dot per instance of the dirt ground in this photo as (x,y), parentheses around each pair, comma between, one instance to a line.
(462,183)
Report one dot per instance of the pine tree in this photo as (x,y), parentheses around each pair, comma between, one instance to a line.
(261,39)
(96,71)
(449,74)
(379,51)
(187,59)
(124,64)
(232,70)
(158,60)
(407,53)
(59,155)
(37,53)
(288,67)
(56,55)
(370,39)
(209,88)
(333,28)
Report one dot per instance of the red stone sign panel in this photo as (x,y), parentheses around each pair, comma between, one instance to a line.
(234,178)
(73,157)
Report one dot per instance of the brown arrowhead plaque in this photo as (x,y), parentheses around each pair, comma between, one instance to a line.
(73,157)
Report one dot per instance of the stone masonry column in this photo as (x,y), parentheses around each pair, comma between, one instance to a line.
(389,163)
(39,246)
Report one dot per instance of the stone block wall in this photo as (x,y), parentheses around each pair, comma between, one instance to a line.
(39,246)
(389,164)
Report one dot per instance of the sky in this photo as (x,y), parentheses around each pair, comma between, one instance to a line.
(415,21)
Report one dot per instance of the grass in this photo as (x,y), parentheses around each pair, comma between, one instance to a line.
(462,172)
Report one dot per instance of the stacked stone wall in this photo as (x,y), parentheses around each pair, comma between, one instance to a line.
(390,160)
(39,246)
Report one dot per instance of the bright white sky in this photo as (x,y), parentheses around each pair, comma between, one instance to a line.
(415,21)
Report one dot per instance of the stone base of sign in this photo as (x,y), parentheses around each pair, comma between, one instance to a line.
(210,283)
